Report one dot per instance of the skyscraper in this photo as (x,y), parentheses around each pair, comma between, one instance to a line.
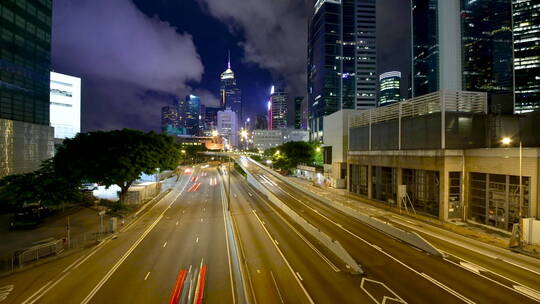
(190,113)
(527,55)
(341,58)
(278,101)
(389,91)
(486,46)
(298,101)
(227,126)
(25,51)
(436,45)
(462,45)
(231,95)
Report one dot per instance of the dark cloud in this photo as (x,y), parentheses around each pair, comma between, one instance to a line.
(274,35)
(130,64)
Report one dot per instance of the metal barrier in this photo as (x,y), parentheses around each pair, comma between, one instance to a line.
(37,252)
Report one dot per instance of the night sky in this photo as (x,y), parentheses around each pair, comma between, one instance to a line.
(135,56)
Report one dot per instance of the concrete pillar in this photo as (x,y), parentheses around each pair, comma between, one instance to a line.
(444,182)
(370,182)
(399,181)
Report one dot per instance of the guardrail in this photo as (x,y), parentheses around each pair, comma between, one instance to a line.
(411,238)
(333,245)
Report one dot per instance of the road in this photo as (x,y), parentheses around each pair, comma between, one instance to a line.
(141,265)
(414,275)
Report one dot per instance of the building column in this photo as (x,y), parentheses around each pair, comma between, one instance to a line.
(444,182)
(370,182)
(399,181)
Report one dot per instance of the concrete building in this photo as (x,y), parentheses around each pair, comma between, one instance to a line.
(65,109)
(26,137)
(227,126)
(266,139)
(335,147)
(290,134)
(432,153)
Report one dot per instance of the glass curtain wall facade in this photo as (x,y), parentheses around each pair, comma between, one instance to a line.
(425,47)
(341,59)
(191,114)
(278,101)
(366,55)
(25,56)
(486,37)
(526,19)
(390,91)
(231,95)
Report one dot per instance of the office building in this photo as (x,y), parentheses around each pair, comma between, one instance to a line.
(298,115)
(278,106)
(26,137)
(265,139)
(190,114)
(65,108)
(231,95)
(341,59)
(463,45)
(261,122)
(227,126)
(210,118)
(526,54)
(389,88)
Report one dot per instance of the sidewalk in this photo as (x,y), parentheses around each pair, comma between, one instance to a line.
(84,225)
(382,211)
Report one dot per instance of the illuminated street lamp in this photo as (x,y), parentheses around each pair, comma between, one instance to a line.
(183,151)
(507,141)
(244,133)
(215,133)
(318,149)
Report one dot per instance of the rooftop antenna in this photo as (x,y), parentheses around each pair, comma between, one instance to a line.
(229,60)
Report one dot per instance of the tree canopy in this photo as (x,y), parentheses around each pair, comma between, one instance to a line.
(115,157)
(290,154)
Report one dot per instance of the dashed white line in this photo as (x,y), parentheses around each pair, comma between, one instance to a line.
(165,244)
(146,277)
(197,240)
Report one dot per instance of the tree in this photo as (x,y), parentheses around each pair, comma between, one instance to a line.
(115,157)
(17,190)
(291,154)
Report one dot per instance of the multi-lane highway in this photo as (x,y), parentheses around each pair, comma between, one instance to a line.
(183,231)
(412,274)
(181,243)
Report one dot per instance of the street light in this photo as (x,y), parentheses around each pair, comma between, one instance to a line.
(318,149)
(507,141)
(215,133)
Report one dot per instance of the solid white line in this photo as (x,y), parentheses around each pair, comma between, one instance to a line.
(448,289)
(299,276)
(533,294)
(71,265)
(126,255)
(441,285)
(36,293)
(228,249)
(146,277)
(286,261)
(310,245)
(277,288)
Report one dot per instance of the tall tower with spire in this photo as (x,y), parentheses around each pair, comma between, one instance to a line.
(231,96)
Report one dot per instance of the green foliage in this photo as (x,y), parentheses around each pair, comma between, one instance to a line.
(115,157)
(290,154)
(43,186)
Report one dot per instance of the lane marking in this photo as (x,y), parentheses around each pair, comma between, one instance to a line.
(165,244)
(444,287)
(146,277)
(286,261)
(176,223)
(299,276)
(277,288)
(131,249)
(395,298)
(533,294)
(197,240)
(202,219)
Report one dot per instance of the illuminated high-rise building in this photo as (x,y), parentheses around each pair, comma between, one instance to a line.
(26,138)
(231,95)
(191,114)
(526,19)
(278,104)
(463,45)
(390,89)
(342,56)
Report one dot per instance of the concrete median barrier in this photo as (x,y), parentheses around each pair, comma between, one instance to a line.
(333,245)
(411,238)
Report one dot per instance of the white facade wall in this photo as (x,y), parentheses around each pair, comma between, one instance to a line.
(266,139)
(65,109)
(227,126)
